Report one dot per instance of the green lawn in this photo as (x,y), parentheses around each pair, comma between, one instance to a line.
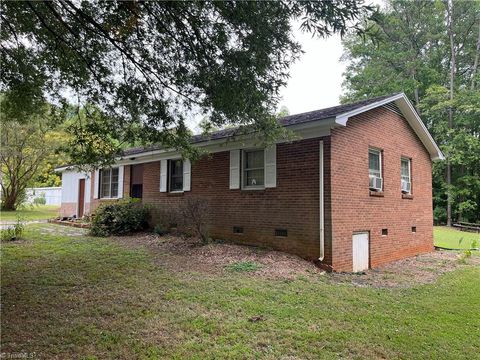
(454,239)
(40,212)
(66,296)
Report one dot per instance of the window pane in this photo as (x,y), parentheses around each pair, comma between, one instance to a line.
(105,190)
(114,189)
(405,168)
(254,177)
(374,164)
(114,183)
(176,175)
(105,183)
(254,159)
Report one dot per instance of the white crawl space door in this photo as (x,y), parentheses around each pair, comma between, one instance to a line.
(360,251)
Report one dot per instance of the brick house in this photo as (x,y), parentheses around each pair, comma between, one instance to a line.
(352,191)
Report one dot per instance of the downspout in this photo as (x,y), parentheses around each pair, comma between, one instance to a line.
(321,204)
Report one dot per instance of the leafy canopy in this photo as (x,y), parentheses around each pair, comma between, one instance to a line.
(148,67)
(407,49)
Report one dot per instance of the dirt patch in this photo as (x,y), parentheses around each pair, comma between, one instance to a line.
(416,270)
(184,255)
(189,255)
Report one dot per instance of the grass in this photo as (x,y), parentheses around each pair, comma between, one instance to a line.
(88,298)
(35,212)
(243,266)
(454,239)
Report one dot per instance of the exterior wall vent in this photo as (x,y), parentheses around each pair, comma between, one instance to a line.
(414,229)
(281,232)
(384,232)
(393,107)
(238,230)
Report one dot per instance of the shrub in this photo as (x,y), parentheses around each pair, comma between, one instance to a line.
(160,230)
(14,232)
(119,218)
(165,218)
(194,216)
(439,215)
(40,200)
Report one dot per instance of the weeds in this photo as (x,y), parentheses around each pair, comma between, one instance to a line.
(13,232)
(243,266)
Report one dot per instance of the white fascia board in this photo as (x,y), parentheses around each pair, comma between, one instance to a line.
(62,169)
(410,114)
(343,118)
(304,131)
(420,129)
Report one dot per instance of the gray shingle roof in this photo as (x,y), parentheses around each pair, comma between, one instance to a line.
(286,121)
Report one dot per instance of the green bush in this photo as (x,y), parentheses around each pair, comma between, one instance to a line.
(160,230)
(119,218)
(439,215)
(41,200)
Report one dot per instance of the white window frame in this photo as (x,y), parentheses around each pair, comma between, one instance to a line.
(100,183)
(243,177)
(403,177)
(380,162)
(169,176)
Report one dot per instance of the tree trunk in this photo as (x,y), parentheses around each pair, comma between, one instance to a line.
(475,63)
(450,5)
(9,202)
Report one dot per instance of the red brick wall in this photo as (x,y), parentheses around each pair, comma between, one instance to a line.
(353,209)
(293,204)
(68,209)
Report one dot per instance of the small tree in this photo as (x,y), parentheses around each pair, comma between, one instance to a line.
(195,213)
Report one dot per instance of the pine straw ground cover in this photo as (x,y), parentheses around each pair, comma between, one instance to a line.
(72,296)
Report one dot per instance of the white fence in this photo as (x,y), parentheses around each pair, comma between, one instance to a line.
(53,195)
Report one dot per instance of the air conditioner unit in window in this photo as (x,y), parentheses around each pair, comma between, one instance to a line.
(375,183)
(406,186)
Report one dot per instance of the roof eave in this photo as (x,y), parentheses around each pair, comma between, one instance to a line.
(410,114)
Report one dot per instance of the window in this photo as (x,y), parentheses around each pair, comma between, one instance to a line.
(375,169)
(375,163)
(175,175)
(406,178)
(109,183)
(253,168)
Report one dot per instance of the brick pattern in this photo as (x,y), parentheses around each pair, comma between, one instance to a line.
(353,209)
(292,205)
(69,209)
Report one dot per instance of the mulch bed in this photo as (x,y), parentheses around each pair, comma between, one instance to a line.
(73,223)
(187,255)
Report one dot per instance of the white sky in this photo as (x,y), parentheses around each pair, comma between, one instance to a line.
(316,78)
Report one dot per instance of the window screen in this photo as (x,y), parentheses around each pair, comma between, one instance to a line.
(176,175)
(374,163)
(253,168)
(109,183)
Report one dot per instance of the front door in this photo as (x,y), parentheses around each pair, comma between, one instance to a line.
(81,198)
(360,247)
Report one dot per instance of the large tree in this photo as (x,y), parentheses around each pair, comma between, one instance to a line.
(430,51)
(149,66)
(27,147)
